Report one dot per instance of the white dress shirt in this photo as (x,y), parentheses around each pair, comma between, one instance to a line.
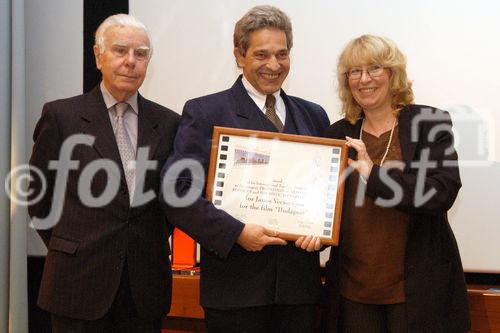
(260,100)
(130,119)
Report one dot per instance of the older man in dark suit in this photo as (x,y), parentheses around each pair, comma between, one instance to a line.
(251,281)
(107,267)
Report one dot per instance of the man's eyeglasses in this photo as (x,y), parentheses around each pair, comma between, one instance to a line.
(140,53)
(355,73)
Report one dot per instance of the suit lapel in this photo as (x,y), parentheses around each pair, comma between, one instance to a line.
(147,124)
(293,110)
(248,113)
(244,107)
(353,131)
(407,145)
(96,122)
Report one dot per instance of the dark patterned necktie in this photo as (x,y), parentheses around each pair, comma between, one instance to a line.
(271,112)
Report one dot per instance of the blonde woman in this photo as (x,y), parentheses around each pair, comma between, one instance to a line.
(397,268)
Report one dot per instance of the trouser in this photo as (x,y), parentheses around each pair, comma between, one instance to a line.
(263,319)
(372,318)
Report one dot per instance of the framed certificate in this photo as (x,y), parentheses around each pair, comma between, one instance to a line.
(289,183)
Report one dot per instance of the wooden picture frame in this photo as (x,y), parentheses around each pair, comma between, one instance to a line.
(292,184)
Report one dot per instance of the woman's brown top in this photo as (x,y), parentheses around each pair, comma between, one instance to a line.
(374,239)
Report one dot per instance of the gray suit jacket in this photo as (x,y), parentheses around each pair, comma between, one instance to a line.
(89,247)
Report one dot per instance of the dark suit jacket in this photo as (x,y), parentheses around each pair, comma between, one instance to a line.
(436,297)
(232,277)
(88,248)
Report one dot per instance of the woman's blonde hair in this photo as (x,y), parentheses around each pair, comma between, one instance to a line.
(366,50)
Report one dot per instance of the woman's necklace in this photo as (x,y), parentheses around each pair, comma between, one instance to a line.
(388,143)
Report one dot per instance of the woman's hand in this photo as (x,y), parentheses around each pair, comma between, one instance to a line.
(363,165)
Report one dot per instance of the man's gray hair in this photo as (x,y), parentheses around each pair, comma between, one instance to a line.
(120,20)
(261,17)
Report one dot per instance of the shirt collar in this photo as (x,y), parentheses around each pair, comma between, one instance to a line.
(110,101)
(257,97)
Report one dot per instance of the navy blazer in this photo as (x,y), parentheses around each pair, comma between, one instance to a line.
(89,247)
(232,277)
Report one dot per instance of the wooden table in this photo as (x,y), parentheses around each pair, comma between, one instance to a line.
(484,309)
